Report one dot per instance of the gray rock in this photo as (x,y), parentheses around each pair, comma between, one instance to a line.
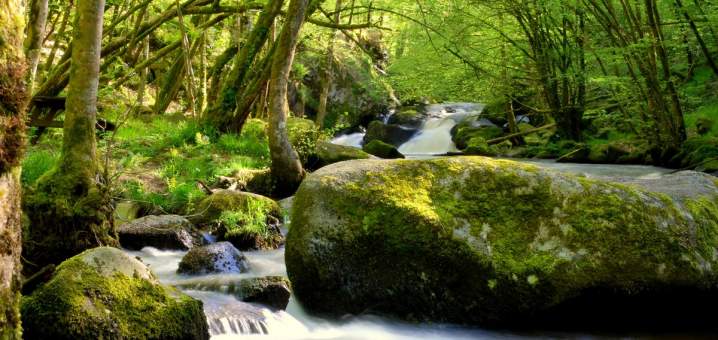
(221,257)
(162,232)
(271,291)
(495,242)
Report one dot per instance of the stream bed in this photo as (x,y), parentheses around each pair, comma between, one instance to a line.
(230,318)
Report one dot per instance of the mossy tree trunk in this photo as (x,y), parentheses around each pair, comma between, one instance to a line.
(70,207)
(224,113)
(286,167)
(12,139)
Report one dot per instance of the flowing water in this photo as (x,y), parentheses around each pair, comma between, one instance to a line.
(434,136)
(230,318)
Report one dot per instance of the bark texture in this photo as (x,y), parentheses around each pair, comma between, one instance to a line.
(12,136)
(70,207)
(35,35)
(286,166)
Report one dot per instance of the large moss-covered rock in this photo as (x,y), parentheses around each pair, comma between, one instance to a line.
(248,221)
(328,153)
(162,232)
(104,293)
(482,241)
(382,150)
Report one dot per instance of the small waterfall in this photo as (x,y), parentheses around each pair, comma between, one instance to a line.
(354,139)
(228,317)
(434,137)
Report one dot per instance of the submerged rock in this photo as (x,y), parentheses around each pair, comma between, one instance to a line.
(382,150)
(221,257)
(104,293)
(494,242)
(162,232)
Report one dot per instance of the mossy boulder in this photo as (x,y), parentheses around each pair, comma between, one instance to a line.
(409,116)
(382,150)
(393,134)
(328,153)
(162,232)
(477,146)
(495,242)
(249,221)
(220,257)
(104,293)
(463,132)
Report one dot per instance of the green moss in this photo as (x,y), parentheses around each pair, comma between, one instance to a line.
(247,220)
(329,153)
(69,213)
(478,146)
(382,150)
(303,134)
(465,132)
(507,238)
(84,301)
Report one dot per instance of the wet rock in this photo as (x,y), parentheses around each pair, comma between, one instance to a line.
(162,232)
(412,117)
(271,291)
(393,134)
(494,242)
(328,153)
(104,293)
(221,257)
(382,150)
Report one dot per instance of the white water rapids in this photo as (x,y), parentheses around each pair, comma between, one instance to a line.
(434,136)
(230,318)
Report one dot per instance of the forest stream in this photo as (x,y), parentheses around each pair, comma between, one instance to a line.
(230,318)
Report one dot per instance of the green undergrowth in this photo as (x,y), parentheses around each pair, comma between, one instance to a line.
(160,160)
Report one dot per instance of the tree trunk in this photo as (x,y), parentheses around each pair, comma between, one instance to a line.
(35,36)
(286,167)
(13,98)
(327,71)
(222,114)
(70,210)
